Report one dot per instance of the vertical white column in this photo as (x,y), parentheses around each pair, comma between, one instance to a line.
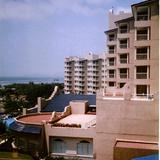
(148,33)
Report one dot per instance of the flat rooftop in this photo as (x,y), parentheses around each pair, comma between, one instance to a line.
(34,119)
(83,119)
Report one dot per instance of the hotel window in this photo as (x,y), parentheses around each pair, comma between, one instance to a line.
(58,146)
(142,90)
(111,84)
(111,49)
(123,43)
(142,72)
(111,61)
(123,73)
(111,73)
(111,37)
(142,53)
(123,58)
(123,28)
(143,34)
(142,14)
(84,148)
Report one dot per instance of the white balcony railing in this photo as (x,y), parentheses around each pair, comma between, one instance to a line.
(123,60)
(123,46)
(111,63)
(111,39)
(111,51)
(111,75)
(142,17)
(142,37)
(123,75)
(141,75)
(123,31)
(141,56)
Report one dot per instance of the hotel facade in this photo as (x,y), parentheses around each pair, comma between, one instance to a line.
(132,55)
(123,122)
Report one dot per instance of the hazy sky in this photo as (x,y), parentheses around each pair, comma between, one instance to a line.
(36,35)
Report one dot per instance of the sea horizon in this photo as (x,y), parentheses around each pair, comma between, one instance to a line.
(7,80)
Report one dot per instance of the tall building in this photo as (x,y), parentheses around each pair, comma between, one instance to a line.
(133,50)
(83,75)
(127,108)
(132,55)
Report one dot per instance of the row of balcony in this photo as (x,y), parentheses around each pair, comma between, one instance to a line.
(142,75)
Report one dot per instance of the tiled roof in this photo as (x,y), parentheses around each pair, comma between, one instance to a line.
(59,102)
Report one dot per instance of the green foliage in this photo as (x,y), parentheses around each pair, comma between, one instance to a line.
(17,96)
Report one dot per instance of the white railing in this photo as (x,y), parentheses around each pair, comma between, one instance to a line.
(111,63)
(123,60)
(111,39)
(143,96)
(141,75)
(142,17)
(141,56)
(111,51)
(111,75)
(123,30)
(123,75)
(142,36)
(123,45)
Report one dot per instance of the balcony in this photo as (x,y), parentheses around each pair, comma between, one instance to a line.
(123,45)
(141,75)
(79,74)
(123,30)
(123,75)
(111,63)
(141,56)
(68,84)
(123,60)
(142,37)
(142,23)
(79,64)
(142,17)
(80,70)
(111,75)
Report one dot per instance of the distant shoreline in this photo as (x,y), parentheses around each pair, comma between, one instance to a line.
(37,80)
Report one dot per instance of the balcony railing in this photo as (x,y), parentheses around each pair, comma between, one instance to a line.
(123,75)
(111,75)
(141,56)
(141,75)
(123,45)
(111,51)
(142,17)
(111,63)
(142,37)
(123,31)
(111,39)
(123,60)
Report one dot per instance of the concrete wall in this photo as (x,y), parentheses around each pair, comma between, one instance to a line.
(79,107)
(112,17)
(134,120)
(69,132)
(71,149)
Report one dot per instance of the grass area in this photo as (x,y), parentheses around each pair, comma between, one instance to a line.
(14,156)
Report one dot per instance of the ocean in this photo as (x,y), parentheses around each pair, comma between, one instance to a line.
(36,80)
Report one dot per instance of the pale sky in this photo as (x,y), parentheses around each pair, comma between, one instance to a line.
(36,35)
